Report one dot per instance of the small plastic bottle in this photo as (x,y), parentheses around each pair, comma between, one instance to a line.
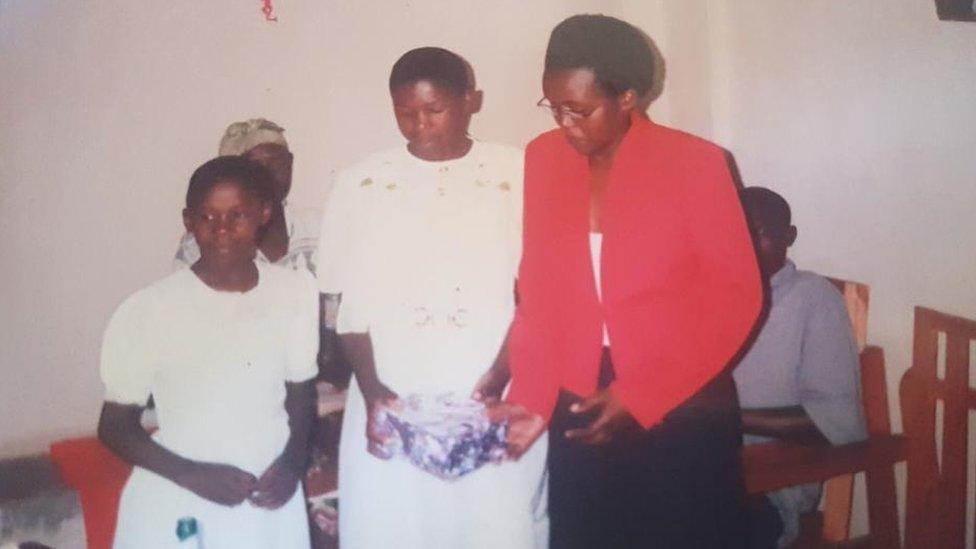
(188,532)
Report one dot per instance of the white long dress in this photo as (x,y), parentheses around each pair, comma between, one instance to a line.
(425,256)
(216,364)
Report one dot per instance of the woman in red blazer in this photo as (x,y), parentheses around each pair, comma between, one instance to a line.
(637,286)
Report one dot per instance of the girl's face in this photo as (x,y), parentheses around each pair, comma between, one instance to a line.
(434,120)
(592,121)
(227,222)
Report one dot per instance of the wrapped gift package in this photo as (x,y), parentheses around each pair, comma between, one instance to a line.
(445,435)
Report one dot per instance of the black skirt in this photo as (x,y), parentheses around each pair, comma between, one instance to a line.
(676,485)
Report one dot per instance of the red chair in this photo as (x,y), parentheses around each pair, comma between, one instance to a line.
(98,476)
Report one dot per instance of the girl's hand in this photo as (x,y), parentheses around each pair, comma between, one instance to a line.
(379,437)
(524,427)
(217,482)
(490,385)
(610,421)
(276,485)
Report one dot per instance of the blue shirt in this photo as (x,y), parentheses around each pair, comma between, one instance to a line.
(806,356)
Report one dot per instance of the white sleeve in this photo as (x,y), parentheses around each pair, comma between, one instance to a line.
(339,254)
(127,361)
(303,343)
(352,317)
(335,231)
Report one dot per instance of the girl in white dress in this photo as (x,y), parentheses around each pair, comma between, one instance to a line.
(423,243)
(227,350)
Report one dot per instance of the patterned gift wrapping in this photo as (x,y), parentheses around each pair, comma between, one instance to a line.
(445,435)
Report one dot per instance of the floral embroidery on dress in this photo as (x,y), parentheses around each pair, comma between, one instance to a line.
(458,318)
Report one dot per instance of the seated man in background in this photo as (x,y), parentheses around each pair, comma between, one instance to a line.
(800,380)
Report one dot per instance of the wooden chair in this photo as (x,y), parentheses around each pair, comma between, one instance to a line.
(839,491)
(936,503)
(769,467)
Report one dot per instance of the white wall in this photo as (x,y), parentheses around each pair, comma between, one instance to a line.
(861,114)
(106,107)
(864,120)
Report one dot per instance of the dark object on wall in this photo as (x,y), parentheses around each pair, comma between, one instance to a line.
(956,10)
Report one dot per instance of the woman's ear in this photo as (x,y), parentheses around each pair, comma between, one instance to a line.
(627,101)
(265,215)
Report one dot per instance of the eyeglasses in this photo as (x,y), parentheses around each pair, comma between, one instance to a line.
(561,111)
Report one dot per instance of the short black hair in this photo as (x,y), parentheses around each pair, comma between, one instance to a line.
(253,178)
(618,53)
(444,68)
(766,207)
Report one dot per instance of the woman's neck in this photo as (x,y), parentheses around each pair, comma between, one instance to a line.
(227,276)
(601,160)
(458,150)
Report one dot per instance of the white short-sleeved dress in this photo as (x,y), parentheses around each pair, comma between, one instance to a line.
(425,256)
(216,364)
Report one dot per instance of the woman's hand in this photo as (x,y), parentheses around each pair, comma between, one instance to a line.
(276,485)
(379,436)
(217,482)
(524,427)
(610,419)
(490,385)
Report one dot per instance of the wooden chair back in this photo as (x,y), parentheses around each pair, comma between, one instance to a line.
(937,481)
(839,491)
(857,297)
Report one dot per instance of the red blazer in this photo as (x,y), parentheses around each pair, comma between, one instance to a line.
(680,284)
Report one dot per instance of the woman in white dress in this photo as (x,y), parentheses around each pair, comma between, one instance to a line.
(423,243)
(227,350)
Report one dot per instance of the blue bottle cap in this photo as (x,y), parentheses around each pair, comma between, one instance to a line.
(186,527)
